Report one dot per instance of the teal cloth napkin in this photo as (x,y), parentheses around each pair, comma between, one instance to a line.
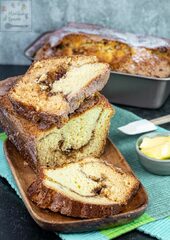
(155,221)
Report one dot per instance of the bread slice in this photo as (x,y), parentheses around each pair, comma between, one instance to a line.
(89,188)
(83,135)
(53,88)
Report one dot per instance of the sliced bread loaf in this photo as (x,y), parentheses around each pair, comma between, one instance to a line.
(89,188)
(83,135)
(53,88)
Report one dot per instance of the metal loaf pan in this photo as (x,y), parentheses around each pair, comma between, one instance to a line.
(138,91)
(30,51)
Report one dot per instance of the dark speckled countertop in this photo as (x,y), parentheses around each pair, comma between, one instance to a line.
(15,221)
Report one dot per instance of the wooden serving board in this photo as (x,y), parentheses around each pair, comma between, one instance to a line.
(24,176)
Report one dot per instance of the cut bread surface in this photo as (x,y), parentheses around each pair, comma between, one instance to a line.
(90,184)
(83,135)
(53,88)
(71,180)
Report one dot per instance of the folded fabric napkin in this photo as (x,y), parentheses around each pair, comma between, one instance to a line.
(155,221)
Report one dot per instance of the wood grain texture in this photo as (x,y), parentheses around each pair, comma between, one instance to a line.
(24,176)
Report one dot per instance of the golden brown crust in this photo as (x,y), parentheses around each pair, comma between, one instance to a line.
(45,119)
(147,56)
(23,133)
(23,141)
(47,198)
(33,128)
(42,119)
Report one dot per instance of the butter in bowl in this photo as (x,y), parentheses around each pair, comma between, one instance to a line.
(154,152)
